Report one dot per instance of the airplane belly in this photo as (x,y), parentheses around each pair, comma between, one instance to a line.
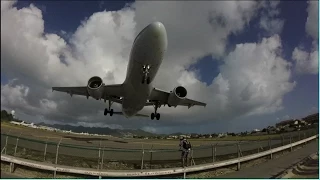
(131,106)
(147,54)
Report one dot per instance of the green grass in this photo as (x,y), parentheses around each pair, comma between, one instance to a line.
(228,138)
(242,138)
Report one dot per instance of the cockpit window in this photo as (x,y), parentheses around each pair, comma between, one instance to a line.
(139,34)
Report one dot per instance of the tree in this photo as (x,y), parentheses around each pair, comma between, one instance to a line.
(5,116)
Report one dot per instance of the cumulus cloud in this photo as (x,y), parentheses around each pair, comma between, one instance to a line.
(306,62)
(270,21)
(11,96)
(312,23)
(253,79)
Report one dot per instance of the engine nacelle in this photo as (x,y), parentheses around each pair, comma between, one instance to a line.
(178,94)
(94,87)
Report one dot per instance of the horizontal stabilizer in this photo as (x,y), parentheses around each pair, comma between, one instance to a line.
(138,115)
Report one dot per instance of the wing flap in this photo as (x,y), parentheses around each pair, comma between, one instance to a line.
(161,96)
(112,92)
(81,90)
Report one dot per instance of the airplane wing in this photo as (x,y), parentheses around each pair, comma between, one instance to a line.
(161,96)
(110,92)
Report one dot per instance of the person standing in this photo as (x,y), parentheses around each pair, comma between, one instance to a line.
(185,147)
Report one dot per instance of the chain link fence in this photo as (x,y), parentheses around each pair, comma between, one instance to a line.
(103,156)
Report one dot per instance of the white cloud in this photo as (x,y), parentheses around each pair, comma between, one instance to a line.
(149,129)
(270,21)
(312,23)
(253,79)
(48,105)
(306,62)
(11,96)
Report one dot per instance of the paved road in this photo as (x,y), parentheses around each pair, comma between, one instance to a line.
(5,175)
(275,166)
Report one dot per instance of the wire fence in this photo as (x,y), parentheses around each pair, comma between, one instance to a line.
(106,157)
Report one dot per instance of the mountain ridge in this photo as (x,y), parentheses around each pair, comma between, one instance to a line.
(100,130)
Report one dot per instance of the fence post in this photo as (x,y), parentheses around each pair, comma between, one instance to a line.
(238,148)
(15,148)
(282,142)
(212,152)
(215,152)
(6,146)
(142,157)
(101,167)
(192,163)
(11,167)
(270,147)
(57,152)
(99,157)
(290,143)
(45,150)
(304,137)
(151,155)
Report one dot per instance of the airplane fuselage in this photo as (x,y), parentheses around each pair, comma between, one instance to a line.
(148,50)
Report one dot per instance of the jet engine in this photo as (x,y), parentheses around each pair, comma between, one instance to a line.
(178,94)
(95,87)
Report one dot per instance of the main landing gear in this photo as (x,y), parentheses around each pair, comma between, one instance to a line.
(145,71)
(155,114)
(109,110)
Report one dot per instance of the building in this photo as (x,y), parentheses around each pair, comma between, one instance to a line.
(285,123)
(312,119)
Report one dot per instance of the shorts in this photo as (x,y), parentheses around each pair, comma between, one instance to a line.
(184,154)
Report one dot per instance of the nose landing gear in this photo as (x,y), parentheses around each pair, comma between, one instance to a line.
(145,71)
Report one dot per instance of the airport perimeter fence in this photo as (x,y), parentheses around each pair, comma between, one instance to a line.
(104,157)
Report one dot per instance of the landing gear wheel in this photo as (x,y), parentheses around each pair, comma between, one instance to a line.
(155,114)
(108,110)
(148,80)
(158,116)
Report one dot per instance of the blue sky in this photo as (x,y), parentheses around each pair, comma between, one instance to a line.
(303,99)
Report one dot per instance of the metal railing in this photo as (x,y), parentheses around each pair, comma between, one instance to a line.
(105,157)
(148,172)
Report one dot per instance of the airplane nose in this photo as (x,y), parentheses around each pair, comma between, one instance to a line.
(157,27)
(159,34)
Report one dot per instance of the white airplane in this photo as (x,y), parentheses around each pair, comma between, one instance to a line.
(137,90)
